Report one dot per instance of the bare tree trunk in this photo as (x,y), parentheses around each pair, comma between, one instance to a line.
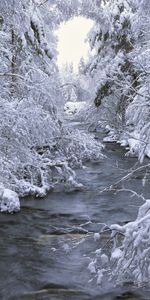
(14,54)
(121,110)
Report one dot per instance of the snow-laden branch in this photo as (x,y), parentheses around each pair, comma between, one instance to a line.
(129,258)
(42,3)
(12,75)
(124,178)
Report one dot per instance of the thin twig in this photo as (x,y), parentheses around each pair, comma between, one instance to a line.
(123,178)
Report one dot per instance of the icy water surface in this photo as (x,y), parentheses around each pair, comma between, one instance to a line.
(46,248)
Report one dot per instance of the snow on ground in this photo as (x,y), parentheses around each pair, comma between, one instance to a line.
(9,201)
(73,107)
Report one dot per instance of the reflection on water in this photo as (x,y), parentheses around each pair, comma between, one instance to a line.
(45,249)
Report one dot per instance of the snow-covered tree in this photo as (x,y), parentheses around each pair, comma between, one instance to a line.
(37,151)
(82,66)
(112,68)
(138,112)
(29,93)
(119,73)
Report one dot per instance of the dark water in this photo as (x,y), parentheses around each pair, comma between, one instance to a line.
(46,248)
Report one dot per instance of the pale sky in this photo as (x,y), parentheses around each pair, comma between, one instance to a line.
(71,45)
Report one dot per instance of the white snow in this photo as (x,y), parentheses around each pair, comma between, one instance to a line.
(96,236)
(91,267)
(104,259)
(9,201)
(73,107)
(98,251)
(100,276)
(116,254)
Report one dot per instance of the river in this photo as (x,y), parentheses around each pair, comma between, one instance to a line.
(46,248)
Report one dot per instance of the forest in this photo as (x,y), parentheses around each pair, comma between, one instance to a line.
(74,152)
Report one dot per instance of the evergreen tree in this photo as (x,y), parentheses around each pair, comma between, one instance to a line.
(112,65)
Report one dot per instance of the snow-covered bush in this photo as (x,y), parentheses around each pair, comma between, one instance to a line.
(9,201)
(126,256)
(79,147)
(133,261)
